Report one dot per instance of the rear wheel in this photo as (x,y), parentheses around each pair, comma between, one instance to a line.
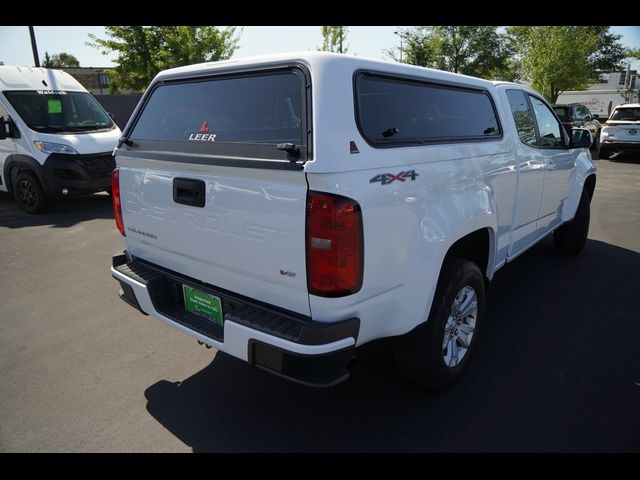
(29,194)
(571,237)
(435,353)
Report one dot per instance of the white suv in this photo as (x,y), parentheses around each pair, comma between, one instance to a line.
(621,133)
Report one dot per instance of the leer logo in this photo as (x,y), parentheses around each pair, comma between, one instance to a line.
(203,136)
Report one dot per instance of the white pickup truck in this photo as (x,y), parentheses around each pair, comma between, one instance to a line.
(286,209)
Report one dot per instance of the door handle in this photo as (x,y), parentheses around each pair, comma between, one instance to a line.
(187,191)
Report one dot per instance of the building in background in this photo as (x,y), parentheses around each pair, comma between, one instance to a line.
(613,88)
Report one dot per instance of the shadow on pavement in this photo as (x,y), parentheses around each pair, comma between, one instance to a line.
(64,213)
(558,369)
(625,158)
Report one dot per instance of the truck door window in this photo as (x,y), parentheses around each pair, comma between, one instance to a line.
(522,117)
(549,129)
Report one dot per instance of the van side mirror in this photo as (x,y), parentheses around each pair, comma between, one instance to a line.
(4,129)
(580,138)
(8,129)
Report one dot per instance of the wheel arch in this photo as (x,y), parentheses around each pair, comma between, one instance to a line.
(583,177)
(17,163)
(478,247)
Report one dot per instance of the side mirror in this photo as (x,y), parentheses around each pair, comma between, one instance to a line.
(581,138)
(595,116)
(113,117)
(4,129)
(8,129)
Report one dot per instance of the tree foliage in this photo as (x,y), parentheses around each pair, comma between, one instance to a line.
(609,52)
(334,39)
(59,60)
(472,50)
(558,58)
(144,51)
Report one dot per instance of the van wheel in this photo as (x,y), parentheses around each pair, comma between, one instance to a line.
(436,352)
(29,194)
(571,237)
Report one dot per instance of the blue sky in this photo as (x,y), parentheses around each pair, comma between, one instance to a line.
(15,46)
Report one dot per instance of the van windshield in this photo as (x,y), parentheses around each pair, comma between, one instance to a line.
(55,111)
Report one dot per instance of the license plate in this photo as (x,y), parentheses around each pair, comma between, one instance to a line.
(202,303)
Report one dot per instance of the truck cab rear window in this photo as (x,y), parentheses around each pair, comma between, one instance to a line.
(256,109)
(397,111)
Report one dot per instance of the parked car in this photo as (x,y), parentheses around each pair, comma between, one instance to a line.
(288,208)
(55,139)
(621,132)
(577,115)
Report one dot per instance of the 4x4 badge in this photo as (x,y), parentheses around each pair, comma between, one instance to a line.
(387,178)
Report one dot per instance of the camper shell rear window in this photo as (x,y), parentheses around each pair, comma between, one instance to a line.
(242,115)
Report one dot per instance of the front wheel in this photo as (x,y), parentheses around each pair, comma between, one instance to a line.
(29,194)
(571,237)
(435,353)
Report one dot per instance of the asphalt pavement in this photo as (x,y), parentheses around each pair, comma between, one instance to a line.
(557,369)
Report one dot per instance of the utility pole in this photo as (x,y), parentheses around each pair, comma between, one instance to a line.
(34,47)
(341,27)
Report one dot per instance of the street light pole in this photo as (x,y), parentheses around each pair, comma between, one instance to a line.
(34,47)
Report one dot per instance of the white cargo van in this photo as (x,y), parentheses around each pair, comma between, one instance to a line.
(55,138)
(289,208)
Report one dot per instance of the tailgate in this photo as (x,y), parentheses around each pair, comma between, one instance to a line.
(249,237)
(212,183)
(629,132)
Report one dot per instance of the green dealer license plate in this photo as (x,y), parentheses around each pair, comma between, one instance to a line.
(202,303)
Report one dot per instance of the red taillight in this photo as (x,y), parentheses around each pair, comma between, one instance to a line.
(334,245)
(115,194)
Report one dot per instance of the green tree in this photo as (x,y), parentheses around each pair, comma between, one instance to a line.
(59,60)
(609,52)
(472,50)
(334,39)
(144,51)
(558,58)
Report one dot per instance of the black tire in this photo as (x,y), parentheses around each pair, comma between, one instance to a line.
(420,354)
(571,237)
(604,153)
(596,140)
(29,194)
